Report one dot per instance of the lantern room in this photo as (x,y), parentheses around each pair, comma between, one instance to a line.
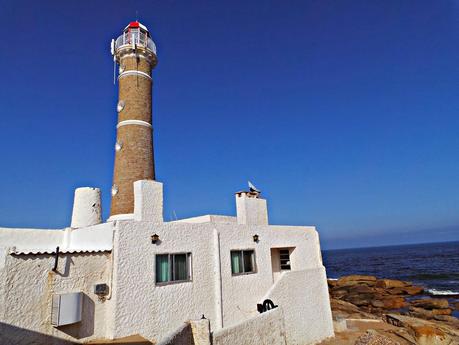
(135,35)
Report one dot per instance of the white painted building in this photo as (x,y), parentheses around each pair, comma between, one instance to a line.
(137,275)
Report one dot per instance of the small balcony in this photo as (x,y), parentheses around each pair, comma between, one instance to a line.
(135,37)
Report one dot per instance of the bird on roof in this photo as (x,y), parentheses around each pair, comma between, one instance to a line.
(252,188)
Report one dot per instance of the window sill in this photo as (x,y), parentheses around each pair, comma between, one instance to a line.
(242,274)
(174,282)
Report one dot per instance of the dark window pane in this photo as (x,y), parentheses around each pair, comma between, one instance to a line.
(162,268)
(248,262)
(180,267)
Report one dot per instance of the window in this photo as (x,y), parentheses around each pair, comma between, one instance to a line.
(242,261)
(173,268)
(284,259)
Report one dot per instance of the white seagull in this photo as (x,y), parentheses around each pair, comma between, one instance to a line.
(253,188)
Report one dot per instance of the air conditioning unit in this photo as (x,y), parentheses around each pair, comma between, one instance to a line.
(66,308)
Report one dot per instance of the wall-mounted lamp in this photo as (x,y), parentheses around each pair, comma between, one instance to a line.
(154,238)
(256,238)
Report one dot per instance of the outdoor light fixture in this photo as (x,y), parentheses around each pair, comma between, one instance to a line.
(154,238)
(255,238)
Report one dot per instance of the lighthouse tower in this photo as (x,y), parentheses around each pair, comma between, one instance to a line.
(135,53)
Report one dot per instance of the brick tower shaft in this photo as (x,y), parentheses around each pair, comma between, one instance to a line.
(135,53)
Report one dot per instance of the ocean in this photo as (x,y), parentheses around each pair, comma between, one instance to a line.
(435,266)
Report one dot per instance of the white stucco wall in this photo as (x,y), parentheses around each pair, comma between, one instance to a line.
(251,210)
(153,311)
(27,281)
(31,240)
(209,218)
(150,310)
(304,297)
(136,304)
(29,286)
(242,293)
(27,241)
(266,328)
(87,208)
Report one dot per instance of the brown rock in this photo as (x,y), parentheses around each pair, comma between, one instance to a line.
(331,283)
(428,314)
(396,291)
(381,291)
(388,302)
(338,293)
(393,302)
(406,290)
(431,303)
(358,300)
(456,306)
(390,283)
(413,290)
(424,332)
(348,310)
(447,318)
(356,280)
(377,303)
(362,289)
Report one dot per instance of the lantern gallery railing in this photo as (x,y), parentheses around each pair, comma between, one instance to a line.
(135,38)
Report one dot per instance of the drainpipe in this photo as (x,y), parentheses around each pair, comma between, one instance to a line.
(218,281)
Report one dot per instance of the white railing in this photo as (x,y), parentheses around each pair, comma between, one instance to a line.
(135,37)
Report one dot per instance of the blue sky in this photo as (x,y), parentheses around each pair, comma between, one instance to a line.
(345,114)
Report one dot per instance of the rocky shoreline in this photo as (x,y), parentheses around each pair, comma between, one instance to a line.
(388,311)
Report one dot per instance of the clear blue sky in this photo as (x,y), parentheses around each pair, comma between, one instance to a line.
(345,113)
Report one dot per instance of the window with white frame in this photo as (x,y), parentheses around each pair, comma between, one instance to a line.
(243,261)
(173,268)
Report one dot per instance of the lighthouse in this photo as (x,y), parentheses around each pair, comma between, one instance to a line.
(135,54)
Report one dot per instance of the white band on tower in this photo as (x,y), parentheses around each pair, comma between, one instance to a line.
(133,122)
(134,72)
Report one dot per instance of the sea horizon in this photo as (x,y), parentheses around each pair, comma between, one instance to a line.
(434,265)
(389,245)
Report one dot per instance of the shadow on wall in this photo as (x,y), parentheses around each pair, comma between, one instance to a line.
(85,328)
(15,335)
(20,336)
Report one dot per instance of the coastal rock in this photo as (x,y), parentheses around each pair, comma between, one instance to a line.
(338,293)
(391,283)
(424,332)
(345,309)
(396,291)
(331,283)
(363,289)
(407,290)
(355,280)
(413,290)
(447,318)
(392,302)
(431,303)
(428,314)
(359,299)
(373,338)
(456,306)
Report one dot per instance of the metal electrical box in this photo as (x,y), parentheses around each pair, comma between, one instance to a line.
(66,308)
